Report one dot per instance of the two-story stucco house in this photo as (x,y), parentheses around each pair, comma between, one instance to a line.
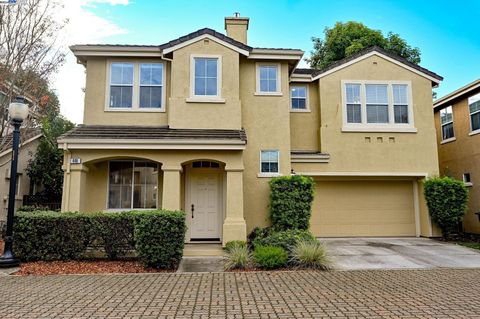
(203,122)
(457,119)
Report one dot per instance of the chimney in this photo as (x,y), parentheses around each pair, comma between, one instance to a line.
(237,27)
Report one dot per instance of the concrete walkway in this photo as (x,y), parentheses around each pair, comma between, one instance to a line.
(399,253)
(433,293)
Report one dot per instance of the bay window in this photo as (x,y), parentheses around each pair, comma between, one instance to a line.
(377,106)
(132,185)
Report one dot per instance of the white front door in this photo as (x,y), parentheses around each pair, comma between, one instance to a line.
(204,209)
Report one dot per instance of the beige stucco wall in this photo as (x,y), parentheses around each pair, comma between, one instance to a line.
(96,89)
(225,115)
(266,121)
(25,153)
(305,126)
(462,156)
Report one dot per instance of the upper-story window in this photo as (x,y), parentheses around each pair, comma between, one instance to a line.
(269,162)
(205,78)
(268,79)
(474,108)
(298,98)
(377,106)
(136,86)
(446,119)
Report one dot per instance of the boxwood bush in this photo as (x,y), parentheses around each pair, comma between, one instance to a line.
(157,236)
(269,257)
(286,239)
(447,202)
(291,202)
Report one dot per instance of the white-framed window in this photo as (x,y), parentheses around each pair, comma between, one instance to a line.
(299,98)
(474,108)
(269,162)
(377,106)
(132,185)
(135,86)
(446,120)
(467,179)
(268,79)
(205,77)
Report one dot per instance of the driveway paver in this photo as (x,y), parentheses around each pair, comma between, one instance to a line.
(433,293)
(399,253)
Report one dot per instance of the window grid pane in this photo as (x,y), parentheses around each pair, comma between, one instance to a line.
(206,76)
(447,131)
(269,161)
(121,85)
(475,120)
(268,78)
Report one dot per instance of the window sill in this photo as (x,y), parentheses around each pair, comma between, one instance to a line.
(474,132)
(387,129)
(468,184)
(268,94)
(300,110)
(448,140)
(134,110)
(268,175)
(204,100)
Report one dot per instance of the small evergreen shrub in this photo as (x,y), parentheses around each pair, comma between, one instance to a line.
(310,254)
(237,257)
(114,232)
(291,202)
(269,257)
(235,243)
(159,238)
(286,239)
(447,202)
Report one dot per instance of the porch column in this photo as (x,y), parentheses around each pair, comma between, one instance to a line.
(74,189)
(171,187)
(234,226)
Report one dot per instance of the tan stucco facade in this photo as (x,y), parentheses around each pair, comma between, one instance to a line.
(462,156)
(388,164)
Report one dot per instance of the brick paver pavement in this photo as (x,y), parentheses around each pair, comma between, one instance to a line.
(439,293)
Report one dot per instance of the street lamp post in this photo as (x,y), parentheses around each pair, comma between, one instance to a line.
(18,112)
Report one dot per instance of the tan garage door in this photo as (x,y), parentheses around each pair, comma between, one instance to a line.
(363,208)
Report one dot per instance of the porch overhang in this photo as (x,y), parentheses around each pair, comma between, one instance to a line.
(151,138)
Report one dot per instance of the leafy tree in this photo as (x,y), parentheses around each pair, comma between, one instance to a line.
(447,202)
(346,39)
(45,168)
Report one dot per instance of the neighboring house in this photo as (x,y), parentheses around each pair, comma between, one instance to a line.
(29,140)
(203,122)
(457,119)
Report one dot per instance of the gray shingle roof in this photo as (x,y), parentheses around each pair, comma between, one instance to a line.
(383,51)
(25,135)
(150,132)
(304,71)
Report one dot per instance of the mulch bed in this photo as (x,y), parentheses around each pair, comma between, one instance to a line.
(43,268)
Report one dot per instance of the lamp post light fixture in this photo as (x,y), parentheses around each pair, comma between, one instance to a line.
(18,112)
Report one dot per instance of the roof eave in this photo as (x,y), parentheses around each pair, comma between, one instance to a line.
(457,94)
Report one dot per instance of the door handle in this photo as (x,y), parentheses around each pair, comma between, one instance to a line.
(193,209)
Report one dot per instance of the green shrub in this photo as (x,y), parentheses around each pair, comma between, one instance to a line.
(159,238)
(51,235)
(235,243)
(270,257)
(286,239)
(114,232)
(291,202)
(310,254)
(257,232)
(447,202)
(237,257)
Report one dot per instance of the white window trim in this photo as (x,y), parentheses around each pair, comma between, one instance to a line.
(451,139)
(472,132)
(307,100)
(136,89)
(468,184)
(205,98)
(261,174)
(278,92)
(107,209)
(391,126)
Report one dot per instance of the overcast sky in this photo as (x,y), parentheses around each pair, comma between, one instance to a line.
(447,32)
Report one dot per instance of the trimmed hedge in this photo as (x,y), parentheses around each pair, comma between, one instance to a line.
(158,236)
(447,202)
(286,239)
(291,202)
(269,257)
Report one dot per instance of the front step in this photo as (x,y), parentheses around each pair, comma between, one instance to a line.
(203,250)
(201,264)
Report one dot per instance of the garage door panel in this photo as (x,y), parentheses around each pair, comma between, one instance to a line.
(363,208)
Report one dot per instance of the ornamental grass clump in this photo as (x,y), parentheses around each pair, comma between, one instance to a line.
(310,254)
(237,257)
